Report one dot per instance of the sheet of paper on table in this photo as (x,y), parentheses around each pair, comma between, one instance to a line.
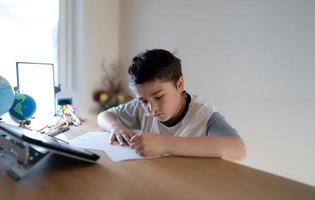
(100,141)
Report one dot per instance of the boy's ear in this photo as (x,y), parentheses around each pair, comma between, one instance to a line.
(180,84)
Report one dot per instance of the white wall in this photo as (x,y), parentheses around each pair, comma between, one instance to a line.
(252,59)
(99,45)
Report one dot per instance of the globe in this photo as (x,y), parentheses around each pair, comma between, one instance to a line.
(6,96)
(24,107)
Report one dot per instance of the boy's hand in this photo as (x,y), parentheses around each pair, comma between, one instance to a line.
(148,144)
(121,136)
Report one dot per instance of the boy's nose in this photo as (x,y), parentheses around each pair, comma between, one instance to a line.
(153,107)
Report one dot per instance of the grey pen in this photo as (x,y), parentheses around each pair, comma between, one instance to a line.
(58,131)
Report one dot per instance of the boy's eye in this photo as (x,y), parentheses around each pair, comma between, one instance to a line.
(159,97)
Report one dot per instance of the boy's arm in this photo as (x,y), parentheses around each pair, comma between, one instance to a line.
(222,141)
(107,121)
(226,147)
(120,121)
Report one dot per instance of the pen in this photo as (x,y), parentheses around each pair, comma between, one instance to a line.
(58,131)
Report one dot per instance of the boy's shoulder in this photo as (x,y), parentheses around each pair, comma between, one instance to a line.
(198,100)
(198,104)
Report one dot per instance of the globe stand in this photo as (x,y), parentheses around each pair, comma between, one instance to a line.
(24,123)
(23,155)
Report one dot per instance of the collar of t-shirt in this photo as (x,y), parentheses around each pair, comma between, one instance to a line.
(171,123)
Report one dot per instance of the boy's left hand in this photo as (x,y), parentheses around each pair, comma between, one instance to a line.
(148,144)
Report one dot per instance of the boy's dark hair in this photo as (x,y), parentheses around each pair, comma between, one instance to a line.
(155,64)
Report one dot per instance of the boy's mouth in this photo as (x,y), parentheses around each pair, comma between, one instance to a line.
(157,115)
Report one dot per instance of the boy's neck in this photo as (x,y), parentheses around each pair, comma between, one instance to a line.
(184,108)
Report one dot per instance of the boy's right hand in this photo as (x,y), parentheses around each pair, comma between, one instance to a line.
(121,135)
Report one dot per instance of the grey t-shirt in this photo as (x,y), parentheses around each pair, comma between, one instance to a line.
(128,115)
(217,125)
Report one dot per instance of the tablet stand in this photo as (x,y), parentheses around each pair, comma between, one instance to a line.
(24,156)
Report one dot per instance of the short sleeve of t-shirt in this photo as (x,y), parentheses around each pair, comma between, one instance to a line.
(217,125)
(128,114)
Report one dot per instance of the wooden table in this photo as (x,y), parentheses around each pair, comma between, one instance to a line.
(160,178)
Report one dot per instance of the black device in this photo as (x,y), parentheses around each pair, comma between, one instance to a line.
(50,143)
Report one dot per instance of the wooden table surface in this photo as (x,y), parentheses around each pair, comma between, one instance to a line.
(160,178)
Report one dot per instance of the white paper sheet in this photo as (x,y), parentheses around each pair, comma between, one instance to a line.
(100,141)
(62,137)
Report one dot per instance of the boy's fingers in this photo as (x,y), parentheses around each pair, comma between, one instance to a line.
(134,145)
(120,139)
(115,142)
(126,137)
(131,134)
(112,139)
(135,138)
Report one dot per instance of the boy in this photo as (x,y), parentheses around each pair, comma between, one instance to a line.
(170,120)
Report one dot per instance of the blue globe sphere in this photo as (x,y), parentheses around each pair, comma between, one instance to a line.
(23,108)
(6,96)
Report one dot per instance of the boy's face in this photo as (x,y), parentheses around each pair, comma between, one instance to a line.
(161,99)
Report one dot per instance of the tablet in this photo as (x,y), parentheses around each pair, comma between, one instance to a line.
(48,142)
